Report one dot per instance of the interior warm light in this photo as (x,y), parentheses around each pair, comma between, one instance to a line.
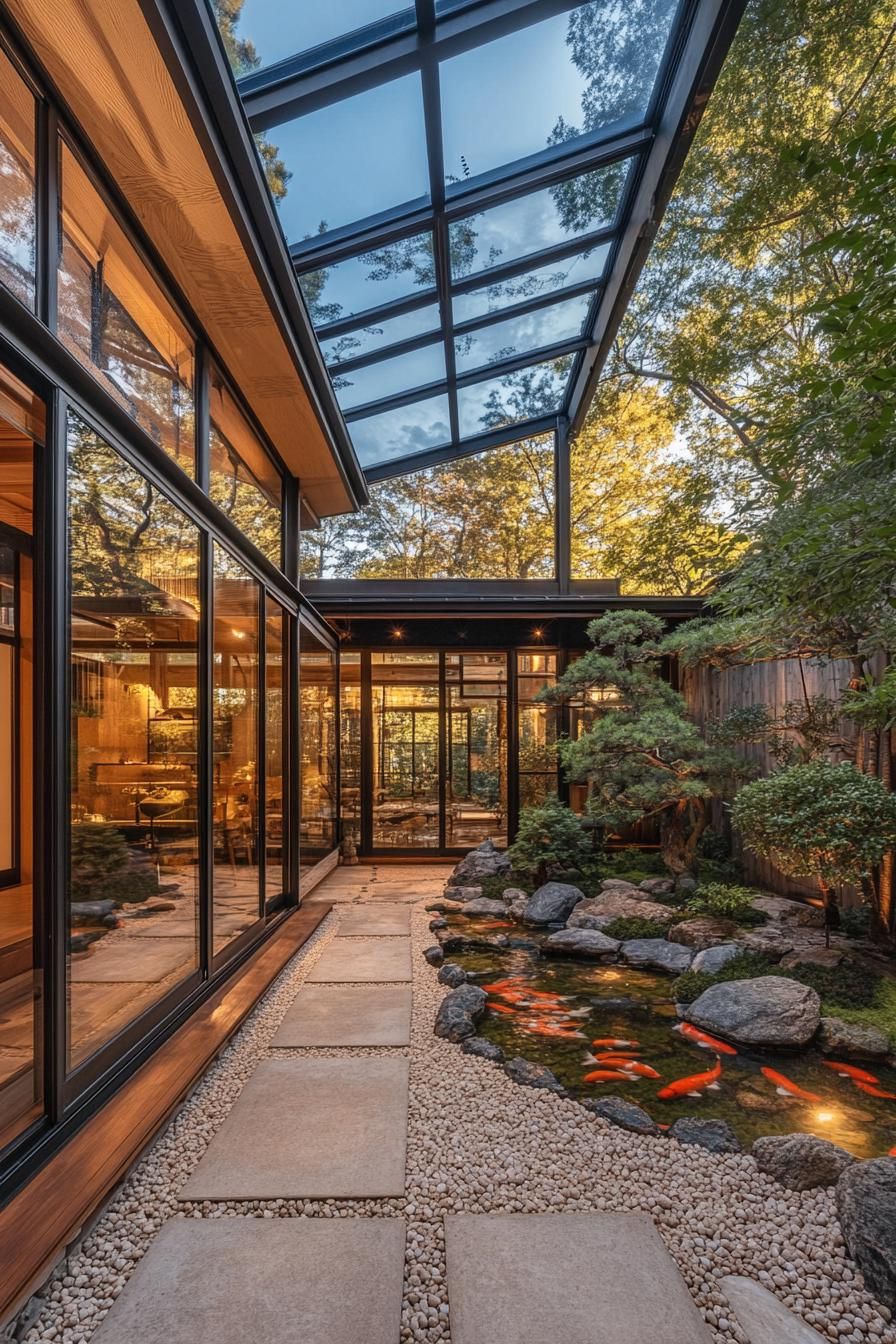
(238,634)
(537,632)
(397,632)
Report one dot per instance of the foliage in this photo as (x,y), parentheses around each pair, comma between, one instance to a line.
(689,986)
(872,704)
(633,926)
(828,822)
(726,902)
(243,57)
(855,921)
(644,757)
(100,866)
(549,839)
(632,865)
(801,730)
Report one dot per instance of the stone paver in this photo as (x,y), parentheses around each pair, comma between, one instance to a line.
(363,961)
(318,1281)
(347,1015)
(579,1278)
(120,962)
(377,920)
(308,1129)
(763,1318)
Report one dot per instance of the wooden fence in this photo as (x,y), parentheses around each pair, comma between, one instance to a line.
(712,692)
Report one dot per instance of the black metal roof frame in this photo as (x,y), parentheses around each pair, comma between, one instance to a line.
(655,147)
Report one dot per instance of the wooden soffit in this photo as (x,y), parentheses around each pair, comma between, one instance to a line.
(107,67)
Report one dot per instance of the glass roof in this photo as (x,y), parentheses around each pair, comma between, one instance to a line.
(454,180)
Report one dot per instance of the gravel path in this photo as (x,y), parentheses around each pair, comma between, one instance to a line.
(478,1143)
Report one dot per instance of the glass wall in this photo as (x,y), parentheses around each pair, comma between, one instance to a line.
(115,317)
(350,744)
(21,980)
(405,728)
(476,737)
(276,749)
(317,737)
(243,481)
(537,727)
(235,749)
(17,205)
(133,868)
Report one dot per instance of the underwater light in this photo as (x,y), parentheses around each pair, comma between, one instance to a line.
(825,1117)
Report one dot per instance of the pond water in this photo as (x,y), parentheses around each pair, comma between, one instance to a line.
(615,1003)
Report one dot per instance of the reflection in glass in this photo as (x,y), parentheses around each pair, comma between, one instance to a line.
(531,392)
(581,71)
(405,750)
(17,210)
(235,828)
(537,727)
(521,335)
(114,316)
(544,218)
(353,158)
(133,875)
(317,735)
(276,31)
(21,980)
(476,802)
(390,377)
(380,335)
(399,433)
(275,747)
(350,744)
(243,481)
(352,287)
(557,275)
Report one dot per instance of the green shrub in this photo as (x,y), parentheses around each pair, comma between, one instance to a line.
(550,840)
(745,967)
(632,926)
(855,922)
(725,902)
(632,864)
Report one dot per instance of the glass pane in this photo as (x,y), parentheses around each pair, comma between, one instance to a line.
(581,72)
(406,751)
(350,744)
(519,335)
(518,396)
(275,747)
(133,886)
(364,340)
(354,286)
(538,724)
(556,275)
(541,219)
(408,429)
(476,803)
(235,880)
(243,481)
(21,980)
(17,211)
(116,319)
(265,32)
(352,159)
(390,377)
(317,690)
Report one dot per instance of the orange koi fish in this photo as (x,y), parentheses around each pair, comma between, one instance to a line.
(850,1071)
(693,1085)
(514,983)
(635,1066)
(786,1087)
(892,1152)
(614,1055)
(613,1042)
(875,1091)
(500,1008)
(705,1041)
(608,1076)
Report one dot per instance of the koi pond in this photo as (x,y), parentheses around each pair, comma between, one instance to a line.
(584,1020)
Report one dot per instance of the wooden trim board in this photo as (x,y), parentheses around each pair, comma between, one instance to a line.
(47,1215)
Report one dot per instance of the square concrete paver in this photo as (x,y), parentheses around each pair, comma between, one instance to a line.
(383,920)
(127,961)
(363,961)
(314,1280)
(311,1129)
(581,1278)
(347,1015)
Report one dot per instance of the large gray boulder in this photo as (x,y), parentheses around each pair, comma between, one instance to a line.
(851,1040)
(657,886)
(769,942)
(657,954)
(618,884)
(623,1113)
(801,1161)
(526,1073)
(712,959)
(587,943)
(483,1049)
(830,957)
(716,1136)
(620,905)
(483,906)
(768,1010)
(484,861)
(866,1203)
(702,931)
(552,904)
(783,911)
(581,919)
(452,975)
(459,1012)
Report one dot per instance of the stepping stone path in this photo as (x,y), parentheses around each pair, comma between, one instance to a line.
(347,1015)
(762,1317)
(581,1278)
(363,961)
(377,920)
(321,1281)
